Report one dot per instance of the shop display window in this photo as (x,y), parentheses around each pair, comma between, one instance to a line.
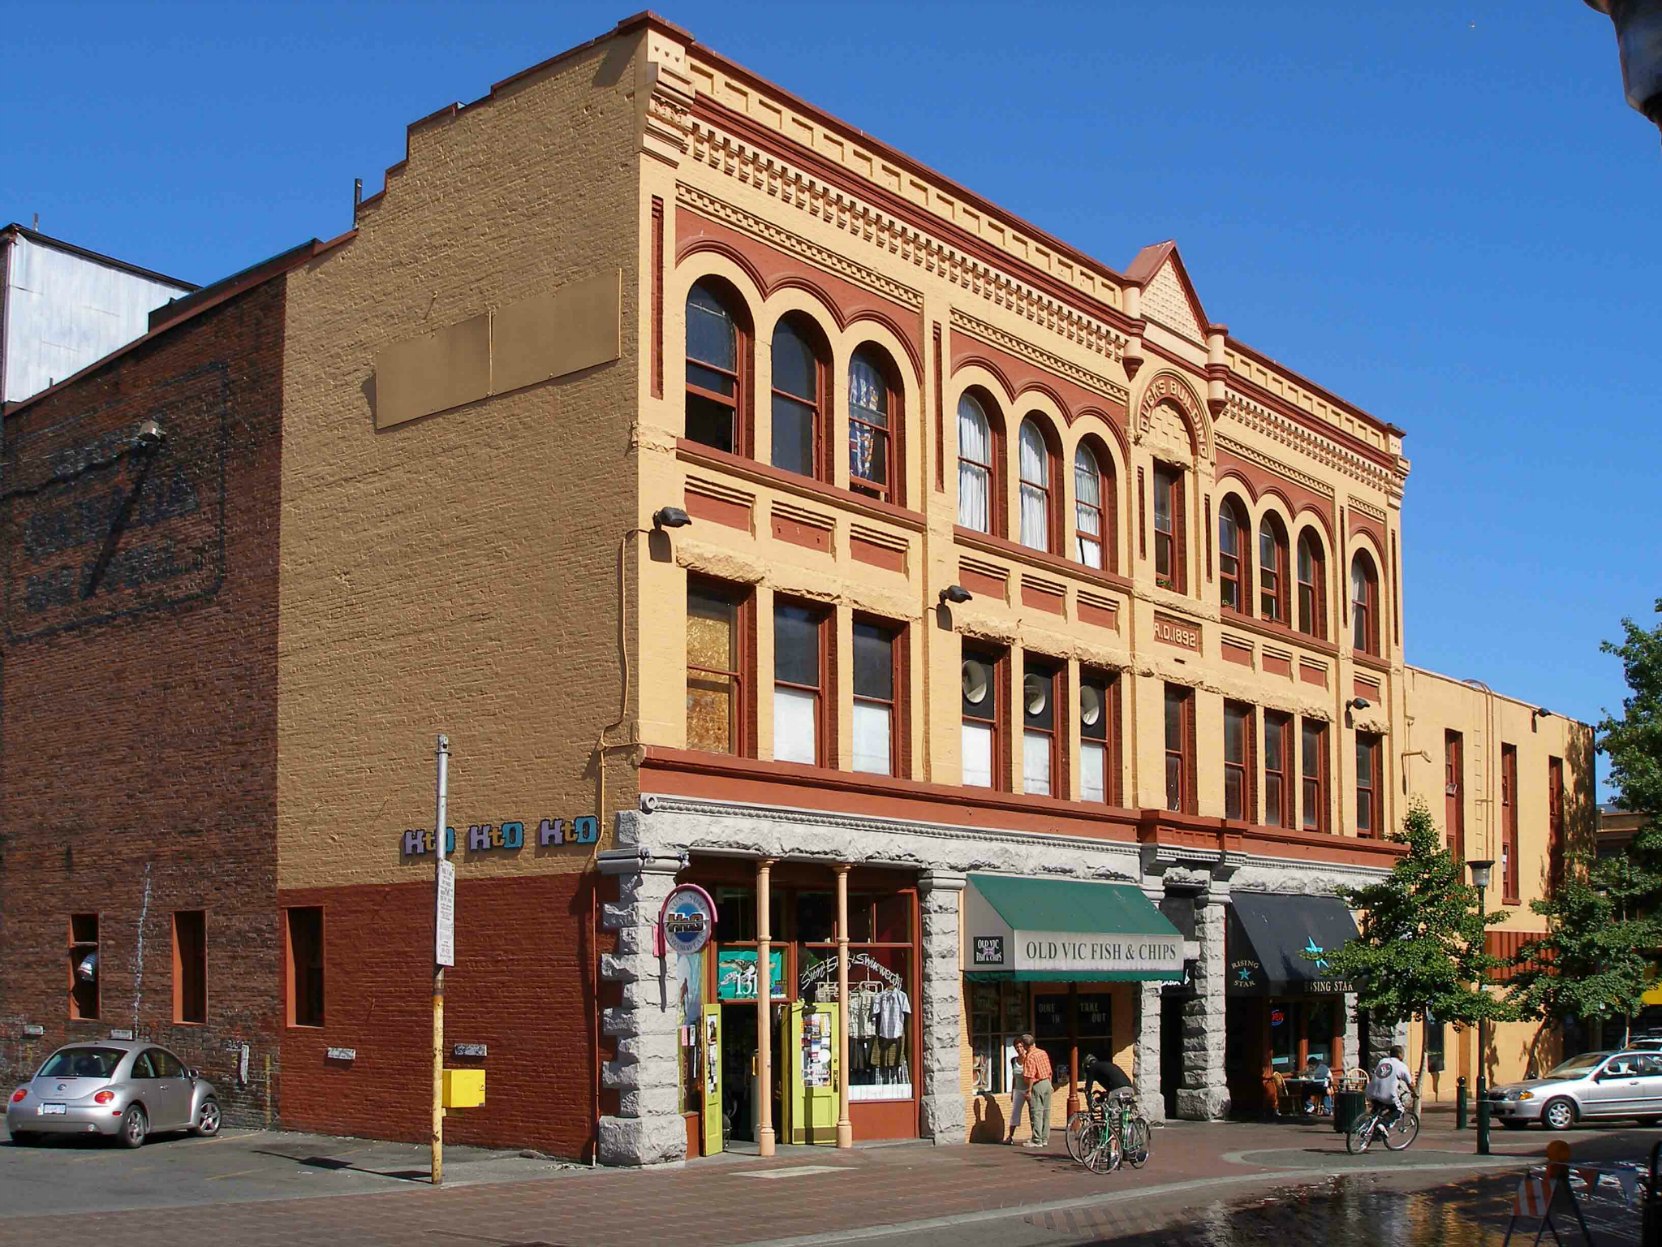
(998,1016)
(881,1016)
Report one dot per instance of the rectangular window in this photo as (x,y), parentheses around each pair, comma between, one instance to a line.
(716,709)
(1237,762)
(1555,822)
(1454,794)
(983,702)
(84,964)
(1314,770)
(1180,757)
(1509,863)
(1168,527)
(1278,756)
(1041,766)
(800,669)
(876,722)
(998,1015)
(1370,788)
(305,966)
(1099,703)
(190,966)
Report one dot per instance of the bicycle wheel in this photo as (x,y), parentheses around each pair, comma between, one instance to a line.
(1360,1135)
(1404,1130)
(1136,1142)
(1076,1132)
(1101,1147)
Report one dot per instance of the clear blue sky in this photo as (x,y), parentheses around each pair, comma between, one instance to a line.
(1442,210)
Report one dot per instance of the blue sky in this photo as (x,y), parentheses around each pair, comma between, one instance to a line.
(1443,211)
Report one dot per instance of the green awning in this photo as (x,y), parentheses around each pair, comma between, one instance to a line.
(1066,930)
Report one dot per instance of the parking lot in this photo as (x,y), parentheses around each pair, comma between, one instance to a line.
(75,1174)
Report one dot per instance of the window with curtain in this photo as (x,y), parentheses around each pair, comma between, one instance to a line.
(1314,767)
(1040,752)
(1035,487)
(975,467)
(1278,756)
(1237,761)
(1091,531)
(871,426)
(1168,527)
(714,680)
(798,387)
(981,745)
(799,684)
(1272,570)
(1364,604)
(1180,703)
(1369,785)
(1096,737)
(1312,592)
(713,373)
(1233,533)
(875,720)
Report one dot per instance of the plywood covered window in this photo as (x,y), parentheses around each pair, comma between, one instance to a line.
(1234,534)
(801,671)
(190,966)
(874,423)
(717,698)
(800,368)
(718,344)
(1312,585)
(1278,764)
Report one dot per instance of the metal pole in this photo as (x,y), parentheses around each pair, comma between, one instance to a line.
(764,1010)
(845,1125)
(1482,1034)
(441,817)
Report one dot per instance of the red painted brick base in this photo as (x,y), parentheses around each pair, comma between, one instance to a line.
(522,985)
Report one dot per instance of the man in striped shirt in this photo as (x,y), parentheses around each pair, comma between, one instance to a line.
(1035,1067)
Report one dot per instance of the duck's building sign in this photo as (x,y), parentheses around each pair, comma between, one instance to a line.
(507,837)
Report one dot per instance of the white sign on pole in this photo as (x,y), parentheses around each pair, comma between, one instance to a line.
(444,936)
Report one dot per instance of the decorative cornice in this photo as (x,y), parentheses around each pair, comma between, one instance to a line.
(1290,433)
(1112,346)
(1368,509)
(1253,455)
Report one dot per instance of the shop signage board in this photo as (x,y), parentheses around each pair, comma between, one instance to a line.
(507,837)
(736,976)
(1067,931)
(686,921)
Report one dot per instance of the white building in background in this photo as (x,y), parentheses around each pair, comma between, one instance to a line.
(62,307)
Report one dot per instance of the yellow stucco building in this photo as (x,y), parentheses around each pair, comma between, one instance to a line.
(999,642)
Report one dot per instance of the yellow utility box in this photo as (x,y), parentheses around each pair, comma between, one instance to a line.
(464,1088)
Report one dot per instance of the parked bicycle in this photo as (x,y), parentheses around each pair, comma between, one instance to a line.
(1109,1133)
(1395,1127)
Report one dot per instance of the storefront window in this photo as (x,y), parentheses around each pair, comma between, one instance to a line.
(1283,1038)
(998,1016)
(1318,1033)
(881,1018)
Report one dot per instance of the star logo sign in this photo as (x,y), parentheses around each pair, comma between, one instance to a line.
(1315,951)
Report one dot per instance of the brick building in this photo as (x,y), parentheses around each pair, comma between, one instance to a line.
(999,642)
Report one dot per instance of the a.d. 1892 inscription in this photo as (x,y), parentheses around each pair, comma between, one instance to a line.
(1178,632)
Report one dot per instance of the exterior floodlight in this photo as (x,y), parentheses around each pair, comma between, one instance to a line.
(956,594)
(1358,703)
(670,517)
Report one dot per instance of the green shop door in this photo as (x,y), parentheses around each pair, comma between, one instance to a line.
(710,1036)
(813,1073)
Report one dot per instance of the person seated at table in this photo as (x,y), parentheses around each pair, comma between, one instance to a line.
(1318,1091)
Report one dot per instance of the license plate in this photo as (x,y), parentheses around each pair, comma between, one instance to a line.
(49,1110)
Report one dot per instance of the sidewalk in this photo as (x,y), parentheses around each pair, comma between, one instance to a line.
(819,1196)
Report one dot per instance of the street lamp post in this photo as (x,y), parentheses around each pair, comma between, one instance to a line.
(1480,878)
(1639,43)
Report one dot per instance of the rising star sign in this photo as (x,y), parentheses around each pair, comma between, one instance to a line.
(1315,950)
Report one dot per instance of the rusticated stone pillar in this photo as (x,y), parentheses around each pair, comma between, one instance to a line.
(941,1007)
(1203,1092)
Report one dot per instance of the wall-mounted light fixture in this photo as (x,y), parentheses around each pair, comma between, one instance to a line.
(149,435)
(1358,703)
(956,594)
(1541,712)
(670,517)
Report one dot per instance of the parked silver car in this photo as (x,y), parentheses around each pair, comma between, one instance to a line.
(1590,1087)
(112,1087)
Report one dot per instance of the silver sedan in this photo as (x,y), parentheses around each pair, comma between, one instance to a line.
(111,1087)
(1593,1086)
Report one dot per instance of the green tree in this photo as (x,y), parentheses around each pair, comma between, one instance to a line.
(1591,963)
(1634,741)
(1421,943)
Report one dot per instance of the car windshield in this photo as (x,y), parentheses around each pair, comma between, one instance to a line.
(82,1063)
(1576,1067)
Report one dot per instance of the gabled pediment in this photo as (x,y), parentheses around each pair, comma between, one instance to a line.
(1168,295)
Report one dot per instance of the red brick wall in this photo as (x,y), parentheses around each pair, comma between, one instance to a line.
(522,984)
(137,692)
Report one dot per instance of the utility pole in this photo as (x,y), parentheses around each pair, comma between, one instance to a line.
(444,945)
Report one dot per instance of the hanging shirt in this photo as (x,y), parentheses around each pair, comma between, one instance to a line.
(890,1013)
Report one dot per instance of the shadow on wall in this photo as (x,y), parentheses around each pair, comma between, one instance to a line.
(989,1124)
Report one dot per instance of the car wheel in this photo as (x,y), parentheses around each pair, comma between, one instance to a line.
(207,1121)
(1558,1114)
(134,1126)
(25,1138)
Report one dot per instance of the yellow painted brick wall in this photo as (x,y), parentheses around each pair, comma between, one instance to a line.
(459,572)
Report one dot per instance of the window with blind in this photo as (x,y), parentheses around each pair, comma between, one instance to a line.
(983,748)
(1098,737)
(1090,509)
(876,679)
(978,466)
(800,674)
(1041,751)
(1036,478)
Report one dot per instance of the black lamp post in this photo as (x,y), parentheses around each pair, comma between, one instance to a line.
(1639,42)
(1480,878)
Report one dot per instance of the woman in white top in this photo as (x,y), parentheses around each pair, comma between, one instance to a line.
(1018,1097)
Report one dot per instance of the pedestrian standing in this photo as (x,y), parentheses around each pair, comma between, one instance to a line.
(1018,1096)
(1035,1067)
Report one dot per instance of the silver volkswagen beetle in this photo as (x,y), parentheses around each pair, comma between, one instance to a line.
(112,1087)
(1590,1087)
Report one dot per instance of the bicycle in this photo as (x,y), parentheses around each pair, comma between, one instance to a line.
(1102,1146)
(1397,1133)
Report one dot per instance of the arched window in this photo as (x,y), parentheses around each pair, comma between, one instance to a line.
(1272,569)
(1234,539)
(1364,604)
(1090,509)
(1036,496)
(716,345)
(798,398)
(873,423)
(1312,585)
(978,467)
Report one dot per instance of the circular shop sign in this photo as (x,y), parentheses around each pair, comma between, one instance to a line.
(688,920)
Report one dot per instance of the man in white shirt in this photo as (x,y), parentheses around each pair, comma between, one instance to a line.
(1387,1076)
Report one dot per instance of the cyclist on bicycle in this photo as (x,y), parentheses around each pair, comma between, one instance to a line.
(1383,1096)
(1099,1071)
